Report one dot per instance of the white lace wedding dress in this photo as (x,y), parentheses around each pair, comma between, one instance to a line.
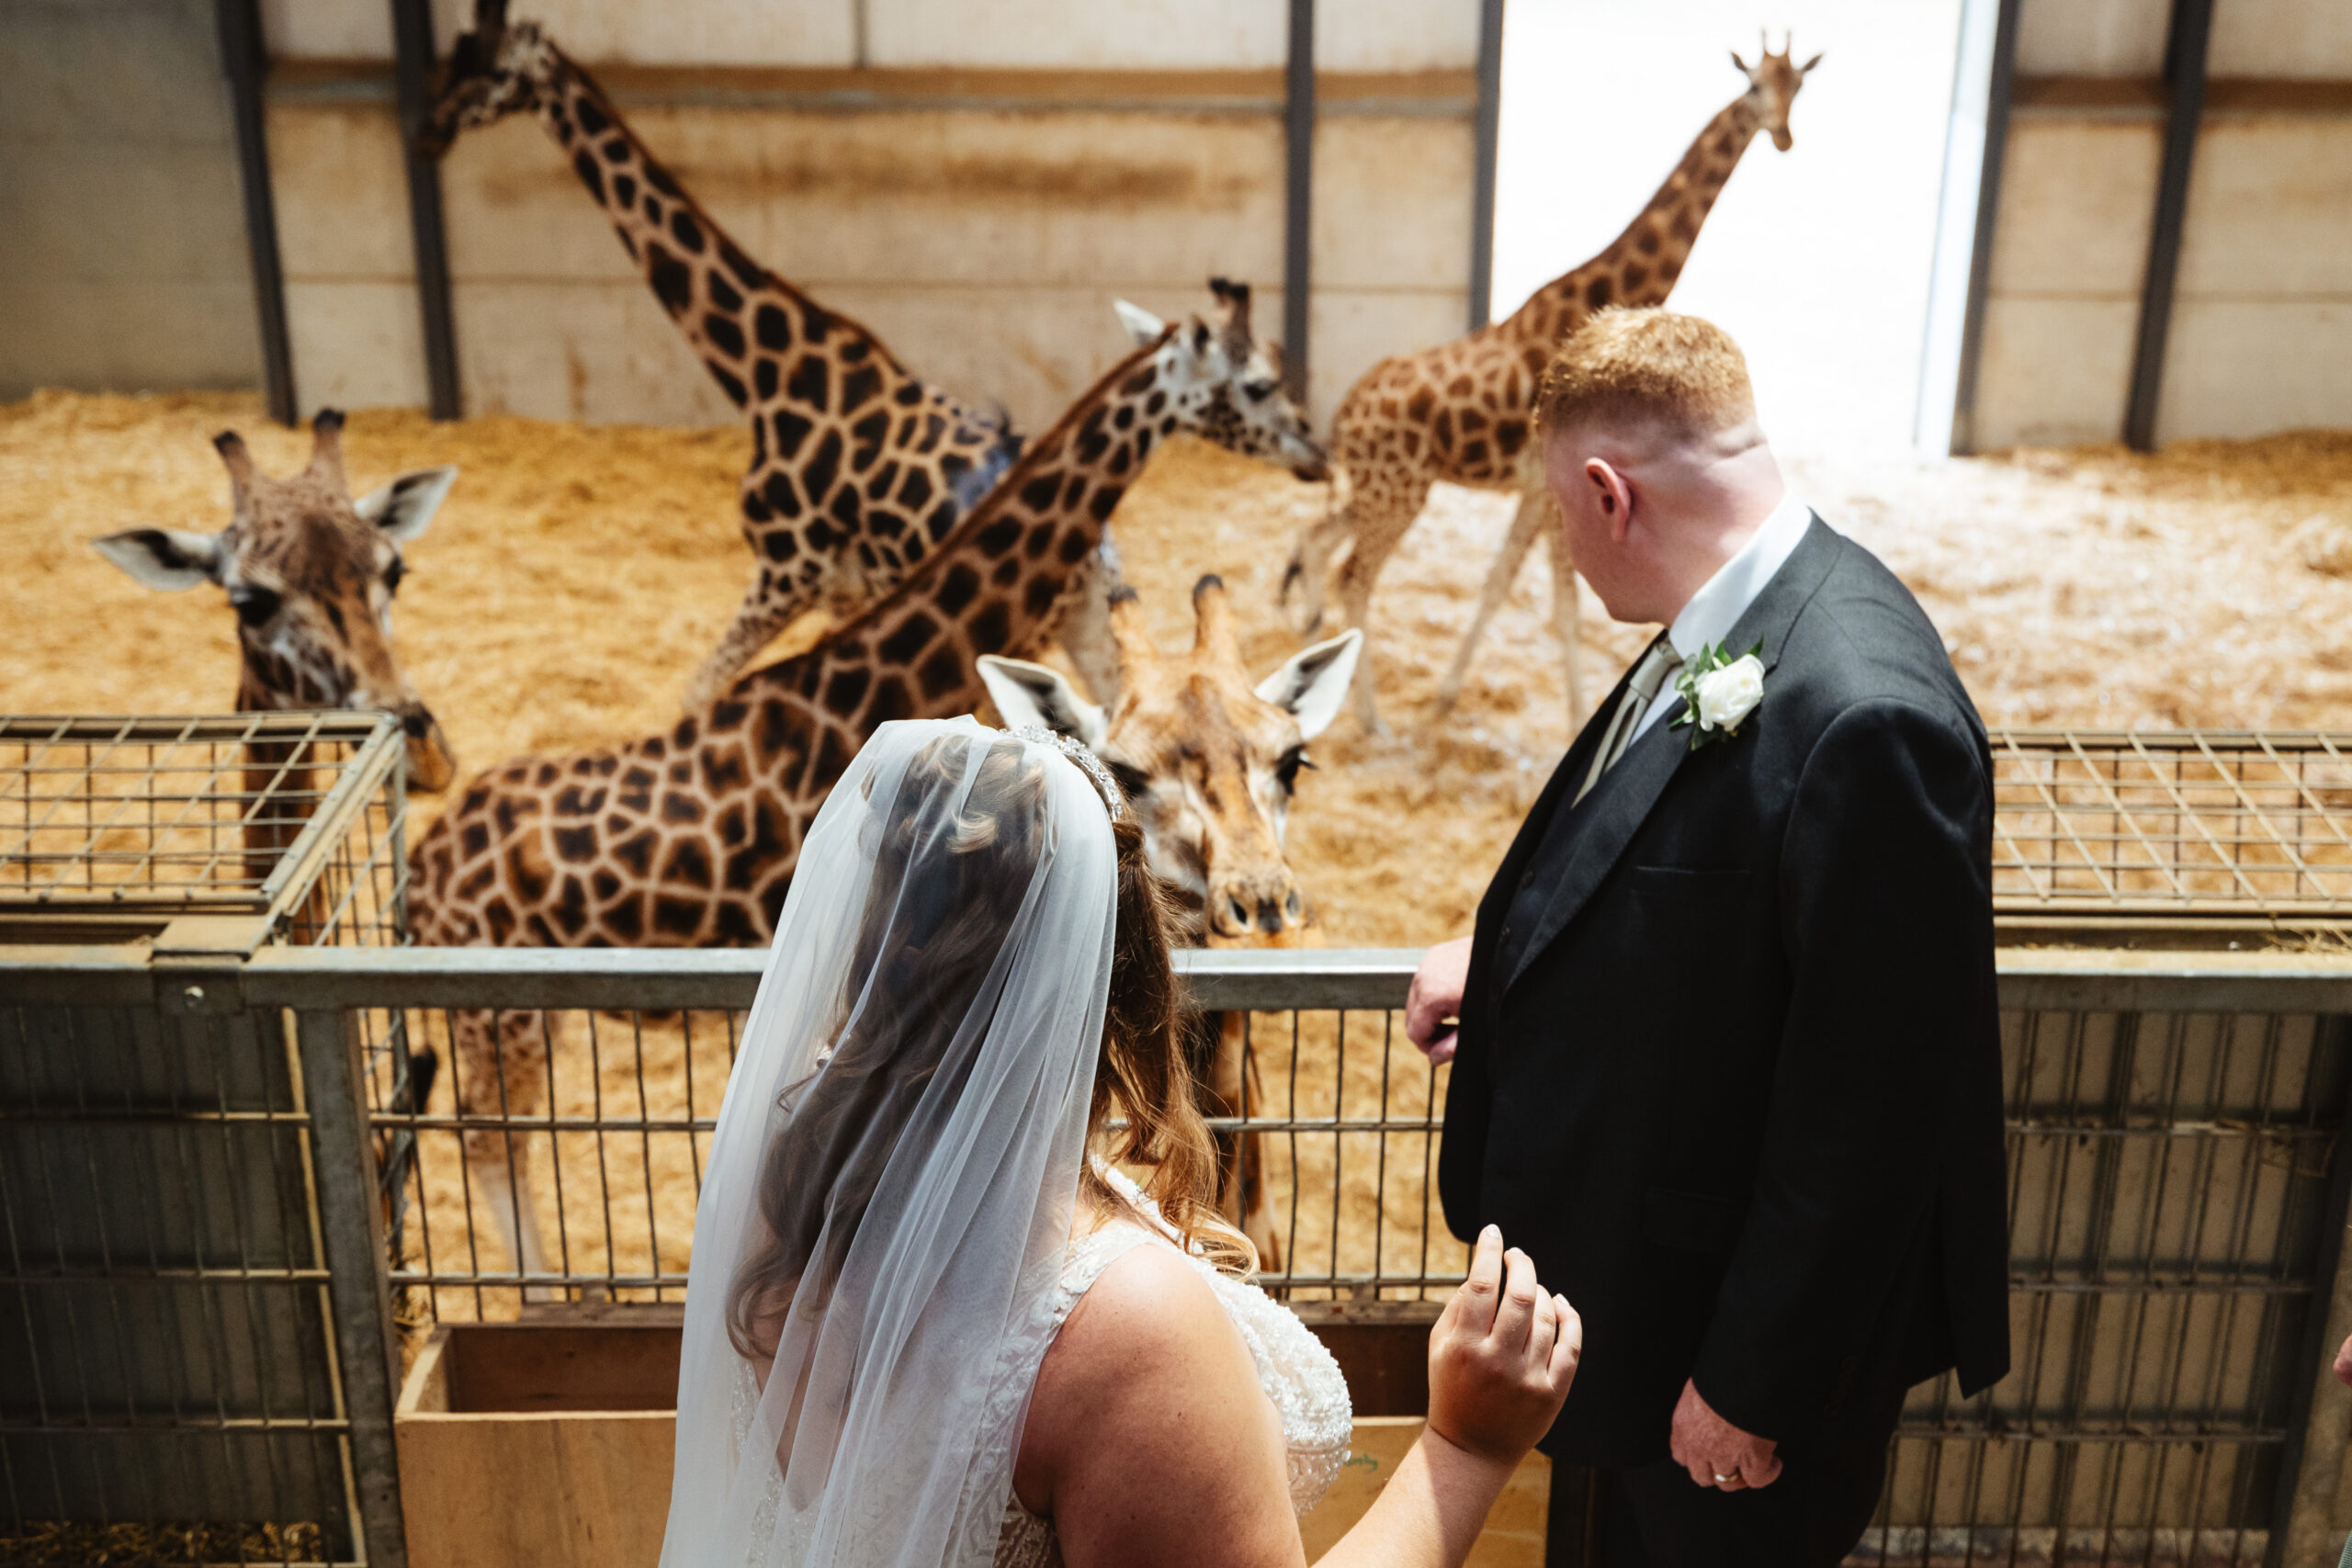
(1297,1374)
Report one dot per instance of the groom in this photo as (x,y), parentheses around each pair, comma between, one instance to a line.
(1727,1063)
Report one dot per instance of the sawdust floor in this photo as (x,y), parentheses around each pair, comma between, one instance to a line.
(577,574)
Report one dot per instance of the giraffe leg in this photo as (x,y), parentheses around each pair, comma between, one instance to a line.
(1377,518)
(1309,572)
(1568,614)
(502,1063)
(1086,624)
(1534,514)
(768,607)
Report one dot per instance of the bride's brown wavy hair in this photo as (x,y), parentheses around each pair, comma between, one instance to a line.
(926,951)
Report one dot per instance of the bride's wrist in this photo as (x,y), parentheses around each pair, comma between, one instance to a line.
(1448,1454)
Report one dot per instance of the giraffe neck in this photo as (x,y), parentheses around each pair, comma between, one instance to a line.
(741,319)
(997,585)
(1639,266)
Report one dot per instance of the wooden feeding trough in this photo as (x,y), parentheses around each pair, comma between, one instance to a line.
(551,1443)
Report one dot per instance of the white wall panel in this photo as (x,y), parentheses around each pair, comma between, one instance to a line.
(359,342)
(2094,38)
(2270,208)
(2076,199)
(1395,35)
(2254,367)
(2283,38)
(1080,34)
(2054,372)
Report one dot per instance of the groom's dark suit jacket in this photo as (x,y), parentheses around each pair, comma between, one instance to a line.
(1729,1066)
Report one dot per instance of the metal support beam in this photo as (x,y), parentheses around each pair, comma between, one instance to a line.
(2310,1466)
(2000,85)
(1298,233)
(413,73)
(351,1222)
(2192,27)
(245,63)
(1487,131)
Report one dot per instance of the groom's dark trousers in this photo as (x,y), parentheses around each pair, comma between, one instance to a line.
(1729,1071)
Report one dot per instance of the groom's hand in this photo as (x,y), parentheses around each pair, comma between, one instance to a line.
(1718,1455)
(1435,1000)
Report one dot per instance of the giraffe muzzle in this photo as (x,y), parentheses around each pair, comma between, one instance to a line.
(432,765)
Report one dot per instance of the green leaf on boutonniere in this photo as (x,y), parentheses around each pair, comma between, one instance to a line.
(1719,690)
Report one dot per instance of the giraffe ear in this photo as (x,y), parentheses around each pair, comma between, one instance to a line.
(1141,325)
(402,508)
(168,559)
(1028,693)
(1313,684)
(1807,69)
(1745,69)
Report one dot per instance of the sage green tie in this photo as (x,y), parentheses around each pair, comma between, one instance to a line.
(1650,676)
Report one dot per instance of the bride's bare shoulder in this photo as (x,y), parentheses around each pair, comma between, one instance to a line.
(1149,1377)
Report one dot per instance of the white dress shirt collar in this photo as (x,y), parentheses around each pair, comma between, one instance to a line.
(1717,607)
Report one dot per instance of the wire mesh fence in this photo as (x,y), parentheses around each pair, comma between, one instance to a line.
(121,824)
(171,1387)
(2176,823)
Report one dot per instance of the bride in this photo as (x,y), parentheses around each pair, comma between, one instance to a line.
(927,1323)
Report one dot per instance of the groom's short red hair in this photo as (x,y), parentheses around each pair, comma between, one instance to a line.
(1647,366)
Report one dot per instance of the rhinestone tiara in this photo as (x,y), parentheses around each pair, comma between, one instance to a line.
(1113,801)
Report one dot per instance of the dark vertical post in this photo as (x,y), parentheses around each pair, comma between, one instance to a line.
(2192,26)
(1998,91)
(1487,131)
(1298,233)
(412,72)
(243,59)
(351,1223)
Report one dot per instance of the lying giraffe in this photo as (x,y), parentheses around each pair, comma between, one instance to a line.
(1462,412)
(688,838)
(1209,759)
(858,468)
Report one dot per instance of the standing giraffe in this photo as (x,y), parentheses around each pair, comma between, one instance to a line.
(858,468)
(1463,411)
(688,838)
(1209,759)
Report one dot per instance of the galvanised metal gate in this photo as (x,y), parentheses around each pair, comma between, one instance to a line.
(187,1339)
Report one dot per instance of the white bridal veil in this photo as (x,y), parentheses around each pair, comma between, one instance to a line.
(890,1187)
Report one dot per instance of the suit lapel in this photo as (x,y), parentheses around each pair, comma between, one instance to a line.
(1622,801)
(1555,796)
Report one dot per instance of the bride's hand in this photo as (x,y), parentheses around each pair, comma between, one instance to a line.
(1501,1357)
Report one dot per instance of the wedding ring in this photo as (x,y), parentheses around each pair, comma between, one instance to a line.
(1722,1480)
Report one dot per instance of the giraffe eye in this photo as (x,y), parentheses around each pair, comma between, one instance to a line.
(393,575)
(1288,769)
(1258,391)
(254,606)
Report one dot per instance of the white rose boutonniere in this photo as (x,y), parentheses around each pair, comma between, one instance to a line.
(1719,691)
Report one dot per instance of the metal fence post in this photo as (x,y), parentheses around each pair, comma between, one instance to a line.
(2319,1427)
(352,1221)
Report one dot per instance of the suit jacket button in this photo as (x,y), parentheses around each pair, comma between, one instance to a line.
(1526,880)
(1503,935)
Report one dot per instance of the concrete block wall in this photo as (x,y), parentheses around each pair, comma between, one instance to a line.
(973,208)
(2262,314)
(122,241)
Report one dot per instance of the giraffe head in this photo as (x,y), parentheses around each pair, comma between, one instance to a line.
(1227,386)
(311,573)
(1772,83)
(493,71)
(1208,759)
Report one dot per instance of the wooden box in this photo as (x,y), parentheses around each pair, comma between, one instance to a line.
(523,1444)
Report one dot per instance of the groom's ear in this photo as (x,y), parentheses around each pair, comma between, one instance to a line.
(1028,693)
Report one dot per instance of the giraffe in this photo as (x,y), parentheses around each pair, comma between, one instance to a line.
(688,838)
(1462,412)
(311,573)
(858,468)
(1209,760)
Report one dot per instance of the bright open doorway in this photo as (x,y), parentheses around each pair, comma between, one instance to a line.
(1817,259)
